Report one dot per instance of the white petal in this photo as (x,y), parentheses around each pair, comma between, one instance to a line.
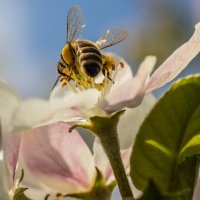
(60,92)
(131,92)
(176,62)
(9,99)
(33,112)
(130,122)
(1,155)
(36,194)
(37,112)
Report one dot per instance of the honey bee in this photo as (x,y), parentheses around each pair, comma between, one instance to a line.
(84,57)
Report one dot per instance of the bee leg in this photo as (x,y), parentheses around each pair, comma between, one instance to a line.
(111,79)
(55,83)
(62,69)
(65,73)
(108,74)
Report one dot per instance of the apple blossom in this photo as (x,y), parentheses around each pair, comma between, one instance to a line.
(123,91)
(19,145)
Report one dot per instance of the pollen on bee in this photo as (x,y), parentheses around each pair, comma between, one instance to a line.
(67,54)
(121,64)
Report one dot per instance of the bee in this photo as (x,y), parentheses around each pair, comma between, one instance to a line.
(83,57)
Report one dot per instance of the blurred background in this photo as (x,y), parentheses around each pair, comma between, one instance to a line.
(32,34)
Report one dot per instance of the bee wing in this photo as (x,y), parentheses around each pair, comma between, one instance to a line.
(75,23)
(111,37)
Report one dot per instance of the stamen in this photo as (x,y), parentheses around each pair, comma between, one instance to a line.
(106,87)
(121,65)
(22,176)
(47,196)
(72,87)
(93,82)
(82,76)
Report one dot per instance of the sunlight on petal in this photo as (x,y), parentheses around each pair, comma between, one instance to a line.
(131,92)
(176,62)
(37,112)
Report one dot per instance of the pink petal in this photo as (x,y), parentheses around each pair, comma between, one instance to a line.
(176,62)
(197,190)
(8,102)
(103,164)
(59,159)
(131,92)
(11,148)
(3,174)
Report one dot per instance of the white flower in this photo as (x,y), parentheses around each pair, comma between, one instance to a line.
(53,160)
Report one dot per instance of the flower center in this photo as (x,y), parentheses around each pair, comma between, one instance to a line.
(79,81)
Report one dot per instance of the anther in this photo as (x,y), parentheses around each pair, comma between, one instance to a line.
(47,196)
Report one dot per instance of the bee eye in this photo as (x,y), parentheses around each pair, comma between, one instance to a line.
(92,70)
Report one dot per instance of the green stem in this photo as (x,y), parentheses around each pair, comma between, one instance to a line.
(112,151)
(106,129)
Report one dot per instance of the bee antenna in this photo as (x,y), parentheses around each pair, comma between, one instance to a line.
(55,83)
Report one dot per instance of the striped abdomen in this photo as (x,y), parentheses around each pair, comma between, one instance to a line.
(89,57)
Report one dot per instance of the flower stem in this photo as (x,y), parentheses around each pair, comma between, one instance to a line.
(106,129)
(112,151)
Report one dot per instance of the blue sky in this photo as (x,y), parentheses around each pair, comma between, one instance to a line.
(32,34)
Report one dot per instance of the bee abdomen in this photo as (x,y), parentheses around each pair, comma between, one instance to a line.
(91,63)
(90,57)
(88,49)
(91,67)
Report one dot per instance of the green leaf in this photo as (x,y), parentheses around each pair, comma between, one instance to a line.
(152,193)
(167,146)
(19,194)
